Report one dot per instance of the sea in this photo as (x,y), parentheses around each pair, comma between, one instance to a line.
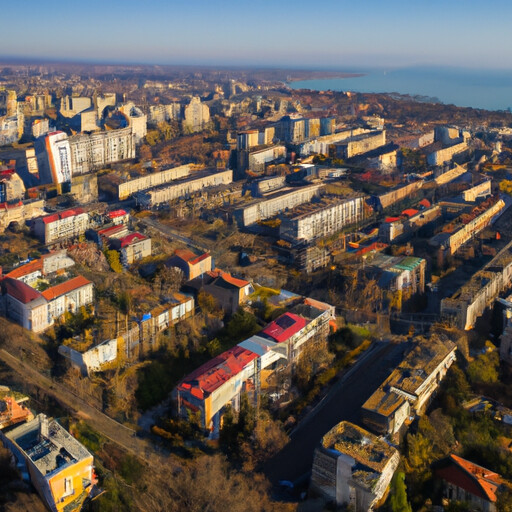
(482,89)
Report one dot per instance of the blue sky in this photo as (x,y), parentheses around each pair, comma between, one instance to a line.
(339,34)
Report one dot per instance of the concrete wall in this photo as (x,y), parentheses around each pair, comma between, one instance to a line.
(481,190)
(445,155)
(272,206)
(128,188)
(394,196)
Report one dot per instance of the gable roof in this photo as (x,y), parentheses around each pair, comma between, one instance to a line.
(66,287)
(132,238)
(47,219)
(28,268)
(190,257)
(19,290)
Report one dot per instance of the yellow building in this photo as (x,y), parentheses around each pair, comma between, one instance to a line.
(59,466)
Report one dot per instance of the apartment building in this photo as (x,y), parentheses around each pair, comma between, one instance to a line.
(59,466)
(275,203)
(192,265)
(181,188)
(11,186)
(408,389)
(69,296)
(313,220)
(221,381)
(353,467)
(133,247)
(444,155)
(54,160)
(358,144)
(61,226)
(128,188)
(196,115)
(93,151)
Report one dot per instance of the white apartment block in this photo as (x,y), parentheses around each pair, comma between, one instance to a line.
(61,226)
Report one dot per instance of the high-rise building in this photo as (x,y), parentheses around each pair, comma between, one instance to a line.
(54,158)
(197,115)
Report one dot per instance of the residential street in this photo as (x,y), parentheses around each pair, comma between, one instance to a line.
(342,403)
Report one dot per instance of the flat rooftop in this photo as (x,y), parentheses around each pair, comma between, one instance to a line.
(49,451)
(364,447)
(327,201)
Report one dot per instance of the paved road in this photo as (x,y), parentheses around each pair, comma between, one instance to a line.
(170,232)
(111,429)
(343,402)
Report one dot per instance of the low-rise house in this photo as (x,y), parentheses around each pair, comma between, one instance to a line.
(467,482)
(409,387)
(59,467)
(133,247)
(12,408)
(191,264)
(118,217)
(69,296)
(25,306)
(353,467)
(230,292)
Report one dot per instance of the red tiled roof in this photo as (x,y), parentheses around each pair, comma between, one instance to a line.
(19,290)
(66,287)
(111,230)
(284,327)
(62,215)
(425,203)
(132,238)
(211,375)
(26,269)
(471,477)
(239,283)
(116,213)
(410,212)
(392,219)
(190,257)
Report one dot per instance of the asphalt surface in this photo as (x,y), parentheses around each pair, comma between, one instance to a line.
(342,403)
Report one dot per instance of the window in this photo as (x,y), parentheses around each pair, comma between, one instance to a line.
(68,486)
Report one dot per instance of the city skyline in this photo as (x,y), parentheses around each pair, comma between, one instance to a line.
(336,35)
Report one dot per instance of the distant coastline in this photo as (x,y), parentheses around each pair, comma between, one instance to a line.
(322,75)
(480,89)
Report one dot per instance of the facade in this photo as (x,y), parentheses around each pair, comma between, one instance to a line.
(275,203)
(93,151)
(394,196)
(182,188)
(247,139)
(25,306)
(465,481)
(478,191)
(134,247)
(448,176)
(408,389)
(358,145)
(401,228)
(196,115)
(229,292)
(40,127)
(310,221)
(11,186)
(353,467)
(257,160)
(320,145)
(453,241)
(54,158)
(190,264)
(20,212)
(61,226)
(265,185)
(60,468)
(480,292)
(69,296)
(156,179)
(445,155)
(138,121)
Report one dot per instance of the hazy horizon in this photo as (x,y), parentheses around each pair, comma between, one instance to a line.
(331,35)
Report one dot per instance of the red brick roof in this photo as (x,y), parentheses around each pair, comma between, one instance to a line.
(425,203)
(19,290)
(62,215)
(211,375)
(28,268)
(284,327)
(66,287)
(190,257)
(410,212)
(471,477)
(239,283)
(116,213)
(132,238)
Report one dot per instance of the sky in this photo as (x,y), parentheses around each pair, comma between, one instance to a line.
(321,34)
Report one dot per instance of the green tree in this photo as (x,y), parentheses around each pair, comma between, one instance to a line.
(399,501)
(484,368)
